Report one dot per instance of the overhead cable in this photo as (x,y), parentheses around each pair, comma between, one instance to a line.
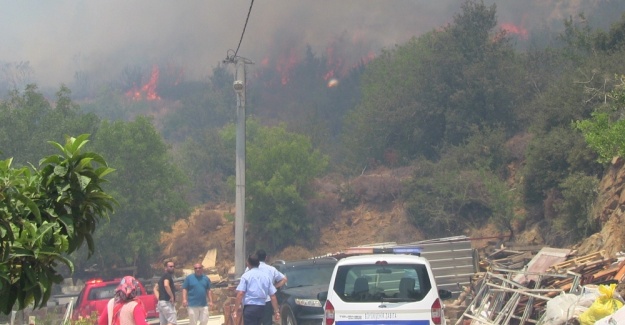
(244,27)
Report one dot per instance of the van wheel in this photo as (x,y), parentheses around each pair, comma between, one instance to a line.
(288,318)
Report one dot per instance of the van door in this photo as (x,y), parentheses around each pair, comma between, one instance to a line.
(383,293)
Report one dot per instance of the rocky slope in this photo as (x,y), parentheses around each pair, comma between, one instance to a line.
(608,211)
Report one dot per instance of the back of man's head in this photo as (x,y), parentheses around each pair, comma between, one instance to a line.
(253,261)
(262,255)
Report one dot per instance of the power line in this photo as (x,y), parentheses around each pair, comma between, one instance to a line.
(244,27)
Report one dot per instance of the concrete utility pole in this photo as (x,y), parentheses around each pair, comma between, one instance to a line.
(239,219)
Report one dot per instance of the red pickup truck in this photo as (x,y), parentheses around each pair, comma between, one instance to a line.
(96,294)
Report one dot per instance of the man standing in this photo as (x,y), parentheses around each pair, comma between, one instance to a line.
(277,278)
(195,295)
(252,292)
(166,298)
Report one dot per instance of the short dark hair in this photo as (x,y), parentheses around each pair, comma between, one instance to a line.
(167,262)
(253,260)
(262,255)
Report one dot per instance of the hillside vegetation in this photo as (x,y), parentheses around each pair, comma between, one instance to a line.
(457,131)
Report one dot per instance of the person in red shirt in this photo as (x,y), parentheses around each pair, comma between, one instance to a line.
(124,309)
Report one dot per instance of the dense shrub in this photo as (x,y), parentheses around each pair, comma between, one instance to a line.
(484,149)
(443,199)
(547,163)
(191,246)
(574,219)
(348,197)
(377,188)
(207,221)
(517,145)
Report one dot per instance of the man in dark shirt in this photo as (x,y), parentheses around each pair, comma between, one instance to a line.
(166,297)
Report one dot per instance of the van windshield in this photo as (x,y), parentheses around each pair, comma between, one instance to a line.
(375,283)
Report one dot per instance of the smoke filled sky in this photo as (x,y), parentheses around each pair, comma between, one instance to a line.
(61,37)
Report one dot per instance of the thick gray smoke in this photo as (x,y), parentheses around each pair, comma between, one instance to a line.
(58,38)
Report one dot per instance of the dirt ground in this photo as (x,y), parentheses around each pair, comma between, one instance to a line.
(362,225)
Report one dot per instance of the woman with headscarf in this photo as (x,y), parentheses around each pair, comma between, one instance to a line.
(124,309)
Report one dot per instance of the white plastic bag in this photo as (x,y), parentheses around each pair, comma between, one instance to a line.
(590,293)
(562,308)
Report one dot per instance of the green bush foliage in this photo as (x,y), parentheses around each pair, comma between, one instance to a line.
(605,129)
(431,91)
(465,188)
(280,169)
(45,215)
(208,221)
(547,162)
(574,219)
(442,198)
(150,189)
(348,196)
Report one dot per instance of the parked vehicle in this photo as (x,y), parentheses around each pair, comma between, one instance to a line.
(298,297)
(94,297)
(384,286)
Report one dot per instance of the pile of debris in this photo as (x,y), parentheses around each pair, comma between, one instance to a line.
(516,285)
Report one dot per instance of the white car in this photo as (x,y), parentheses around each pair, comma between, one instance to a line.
(382,288)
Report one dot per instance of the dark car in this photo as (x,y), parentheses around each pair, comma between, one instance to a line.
(298,297)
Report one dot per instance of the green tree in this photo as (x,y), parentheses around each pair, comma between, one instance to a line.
(605,130)
(442,198)
(207,162)
(46,214)
(390,113)
(578,87)
(431,91)
(502,202)
(582,41)
(574,219)
(463,189)
(281,166)
(548,161)
(150,191)
(27,118)
(577,36)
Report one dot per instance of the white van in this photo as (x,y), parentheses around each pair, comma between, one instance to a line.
(382,288)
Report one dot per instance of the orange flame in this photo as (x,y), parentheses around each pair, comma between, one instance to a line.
(513,29)
(148,90)
(285,65)
(337,63)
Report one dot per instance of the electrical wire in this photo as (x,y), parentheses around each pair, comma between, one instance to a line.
(244,27)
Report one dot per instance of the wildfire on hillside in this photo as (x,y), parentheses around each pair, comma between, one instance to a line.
(285,65)
(516,30)
(340,56)
(148,90)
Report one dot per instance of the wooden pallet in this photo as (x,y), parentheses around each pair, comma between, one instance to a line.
(594,257)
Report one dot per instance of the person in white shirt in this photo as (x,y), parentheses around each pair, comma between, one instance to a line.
(278,279)
(253,291)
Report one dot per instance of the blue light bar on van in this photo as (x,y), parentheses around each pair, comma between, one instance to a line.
(407,250)
(386,250)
